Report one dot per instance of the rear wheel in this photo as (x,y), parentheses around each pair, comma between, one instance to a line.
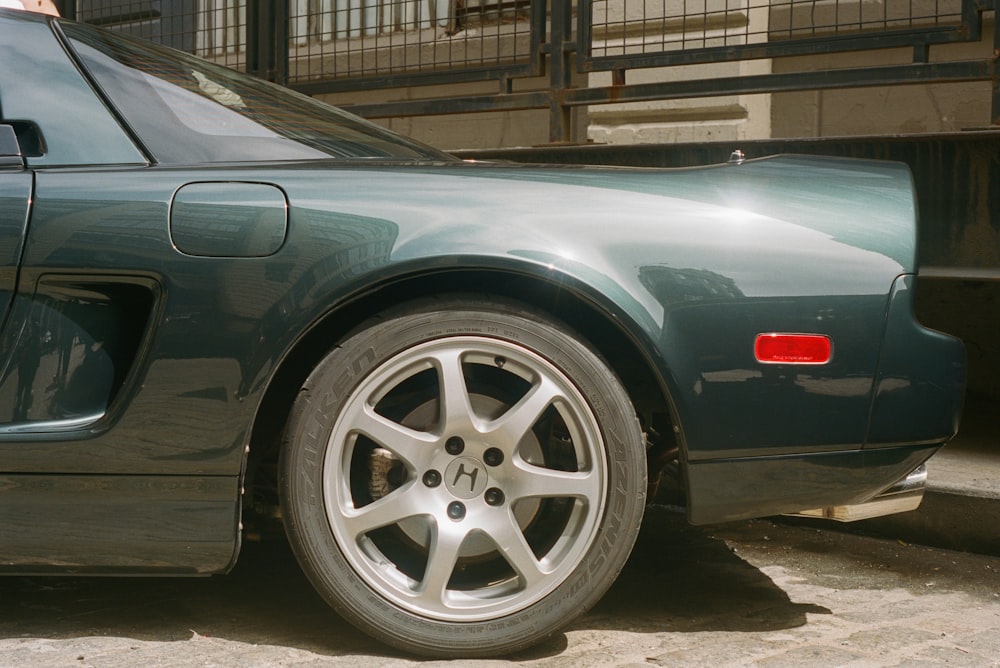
(462,479)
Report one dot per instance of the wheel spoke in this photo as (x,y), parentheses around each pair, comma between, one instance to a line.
(456,409)
(397,506)
(511,427)
(536,481)
(510,540)
(445,545)
(405,443)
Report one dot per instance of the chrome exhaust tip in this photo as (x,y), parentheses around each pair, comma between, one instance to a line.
(902,496)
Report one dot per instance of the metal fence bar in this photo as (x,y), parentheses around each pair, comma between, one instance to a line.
(723,36)
(995,102)
(442,106)
(786,49)
(927,73)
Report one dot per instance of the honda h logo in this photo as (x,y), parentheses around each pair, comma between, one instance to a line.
(462,472)
(466,478)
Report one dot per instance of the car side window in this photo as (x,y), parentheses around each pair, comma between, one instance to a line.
(61,123)
(186,110)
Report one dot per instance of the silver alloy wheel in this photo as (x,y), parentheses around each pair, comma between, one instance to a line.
(499,481)
(462,476)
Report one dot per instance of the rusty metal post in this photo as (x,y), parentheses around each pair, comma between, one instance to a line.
(995,102)
(267,40)
(560,48)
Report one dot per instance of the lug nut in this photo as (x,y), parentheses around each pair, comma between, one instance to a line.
(494,496)
(454,445)
(432,478)
(456,510)
(493,457)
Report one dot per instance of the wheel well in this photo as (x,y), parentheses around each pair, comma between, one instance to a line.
(583,317)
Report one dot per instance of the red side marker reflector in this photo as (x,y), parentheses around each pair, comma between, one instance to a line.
(776,348)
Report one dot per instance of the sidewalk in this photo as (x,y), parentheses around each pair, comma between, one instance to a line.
(961,506)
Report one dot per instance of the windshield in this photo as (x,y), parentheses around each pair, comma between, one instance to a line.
(187,110)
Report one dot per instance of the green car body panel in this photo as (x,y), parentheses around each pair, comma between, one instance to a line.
(166,299)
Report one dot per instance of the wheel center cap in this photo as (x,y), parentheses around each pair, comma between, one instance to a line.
(466,478)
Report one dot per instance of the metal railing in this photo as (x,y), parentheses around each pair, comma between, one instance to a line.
(408,42)
(324,46)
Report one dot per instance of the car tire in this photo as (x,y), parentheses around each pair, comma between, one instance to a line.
(462,478)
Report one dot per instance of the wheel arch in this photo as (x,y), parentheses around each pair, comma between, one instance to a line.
(582,310)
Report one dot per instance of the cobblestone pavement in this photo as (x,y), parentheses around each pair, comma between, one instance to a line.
(750,593)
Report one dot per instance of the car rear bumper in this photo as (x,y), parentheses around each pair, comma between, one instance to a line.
(735,489)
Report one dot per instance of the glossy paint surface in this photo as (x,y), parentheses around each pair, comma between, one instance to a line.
(745,487)
(698,309)
(154,305)
(15,195)
(928,395)
(115,524)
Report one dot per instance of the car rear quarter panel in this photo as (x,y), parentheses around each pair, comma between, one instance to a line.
(693,264)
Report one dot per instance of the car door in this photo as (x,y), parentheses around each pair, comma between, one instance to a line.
(15,200)
(86,481)
(36,80)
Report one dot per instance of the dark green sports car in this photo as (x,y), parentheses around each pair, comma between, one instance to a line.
(451,381)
